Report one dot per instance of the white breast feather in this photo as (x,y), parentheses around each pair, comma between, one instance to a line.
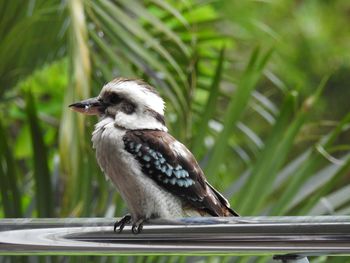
(143,196)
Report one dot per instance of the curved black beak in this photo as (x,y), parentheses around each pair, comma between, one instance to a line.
(92,106)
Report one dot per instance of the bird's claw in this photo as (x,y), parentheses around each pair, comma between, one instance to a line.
(121,223)
(137,226)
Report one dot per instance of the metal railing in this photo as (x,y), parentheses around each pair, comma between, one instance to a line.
(286,238)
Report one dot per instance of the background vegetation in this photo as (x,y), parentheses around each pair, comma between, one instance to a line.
(258,90)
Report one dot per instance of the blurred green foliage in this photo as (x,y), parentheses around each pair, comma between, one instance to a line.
(258,90)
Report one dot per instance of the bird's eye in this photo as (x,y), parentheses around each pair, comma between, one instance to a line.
(114,99)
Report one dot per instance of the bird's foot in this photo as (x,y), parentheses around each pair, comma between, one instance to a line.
(121,223)
(137,226)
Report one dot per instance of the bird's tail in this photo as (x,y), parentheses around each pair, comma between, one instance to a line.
(231,212)
(228,210)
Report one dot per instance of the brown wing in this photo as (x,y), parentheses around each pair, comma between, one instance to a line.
(173,167)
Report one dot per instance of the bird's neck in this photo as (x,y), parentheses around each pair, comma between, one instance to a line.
(131,123)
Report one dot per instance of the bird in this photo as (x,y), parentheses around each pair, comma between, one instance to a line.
(155,174)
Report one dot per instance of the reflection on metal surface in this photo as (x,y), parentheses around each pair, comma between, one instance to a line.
(235,236)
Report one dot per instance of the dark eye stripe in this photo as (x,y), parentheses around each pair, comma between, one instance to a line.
(156,115)
(114,98)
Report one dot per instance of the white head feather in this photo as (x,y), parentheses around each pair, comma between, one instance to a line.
(147,101)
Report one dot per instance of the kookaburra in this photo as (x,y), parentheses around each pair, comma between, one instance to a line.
(156,175)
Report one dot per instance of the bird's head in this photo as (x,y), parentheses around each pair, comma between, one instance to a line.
(130,104)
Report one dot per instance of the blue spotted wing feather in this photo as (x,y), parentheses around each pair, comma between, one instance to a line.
(176,170)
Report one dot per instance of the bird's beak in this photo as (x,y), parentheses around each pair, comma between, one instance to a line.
(92,106)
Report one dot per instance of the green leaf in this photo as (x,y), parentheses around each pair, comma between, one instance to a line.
(173,11)
(261,177)
(10,191)
(136,30)
(309,167)
(156,24)
(42,176)
(236,107)
(210,106)
(321,183)
(333,202)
